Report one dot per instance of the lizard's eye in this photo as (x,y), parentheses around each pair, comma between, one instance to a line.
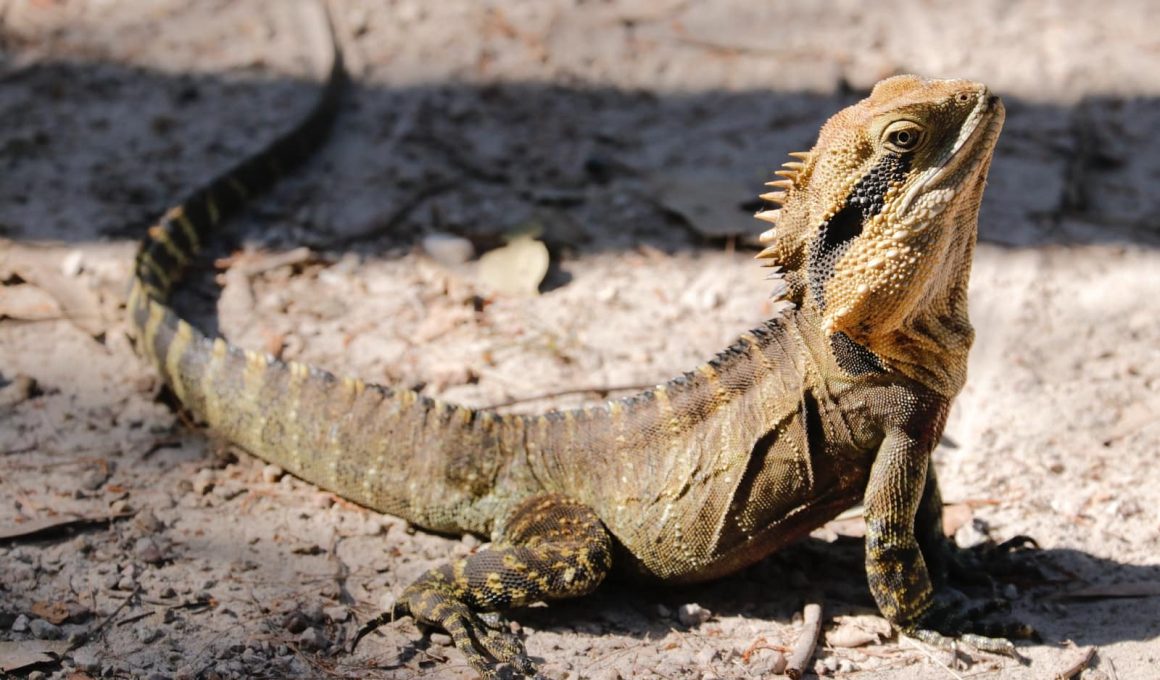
(903,136)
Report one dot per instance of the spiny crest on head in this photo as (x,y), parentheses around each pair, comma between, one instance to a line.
(791,174)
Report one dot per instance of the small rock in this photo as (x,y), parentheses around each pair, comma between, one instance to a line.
(693,614)
(37,675)
(1010,591)
(203,481)
(447,249)
(120,506)
(337,614)
(972,534)
(228,491)
(73,263)
(312,639)
(295,622)
(663,611)
(441,639)
(706,656)
(272,473)
(470,541)
(846,666)
(85,659)
(44,630)
(96,478)
(20,625)
(147,634)
(167,592)
(148,523)
(147,551)
(208,584)
(766,662)
(314,612)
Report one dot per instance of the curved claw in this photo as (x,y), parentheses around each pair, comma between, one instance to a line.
(393,614)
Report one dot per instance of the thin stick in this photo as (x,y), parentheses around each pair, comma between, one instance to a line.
(922,648)
(1080,663)
(568,393)
(803,649)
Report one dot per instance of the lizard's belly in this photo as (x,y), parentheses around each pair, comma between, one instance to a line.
(697,544)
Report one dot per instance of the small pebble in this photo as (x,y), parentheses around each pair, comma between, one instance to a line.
(73,263)
(147,634)
(447,249)
(337,614)
(693,614)
(203,481)
(441,639)
(706,656)
(312,639)
(766,662)
(20,625)
(972,534)
(314,612)
(272,473)
(44,630)
(147,551)
(147,522)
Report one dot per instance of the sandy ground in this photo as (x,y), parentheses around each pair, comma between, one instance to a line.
(632,136)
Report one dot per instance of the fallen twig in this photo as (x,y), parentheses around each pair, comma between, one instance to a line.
(1078,664)
(42,528)
(567,393)
(803,649)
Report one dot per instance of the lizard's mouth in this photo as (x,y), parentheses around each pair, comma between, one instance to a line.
(970,151)
(977,136)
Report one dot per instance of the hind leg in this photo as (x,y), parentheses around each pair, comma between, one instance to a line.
(551,547)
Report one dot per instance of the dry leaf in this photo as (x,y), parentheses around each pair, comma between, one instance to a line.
(858,631)
(59,612)
(17,655)
(709,202)
(27,303)
(517,268)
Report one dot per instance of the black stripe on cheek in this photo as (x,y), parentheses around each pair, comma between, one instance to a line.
(834,237)
(866,199)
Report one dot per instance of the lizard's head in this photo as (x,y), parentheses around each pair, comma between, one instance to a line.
(879,220)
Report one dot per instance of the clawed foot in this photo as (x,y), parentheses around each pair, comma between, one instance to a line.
(954,619)
(484,639)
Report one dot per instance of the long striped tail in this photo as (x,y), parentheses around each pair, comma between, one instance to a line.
(389,449)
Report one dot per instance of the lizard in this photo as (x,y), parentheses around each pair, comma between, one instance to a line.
(838,399)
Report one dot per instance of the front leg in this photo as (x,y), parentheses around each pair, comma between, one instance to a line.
(550,547)
(896,567)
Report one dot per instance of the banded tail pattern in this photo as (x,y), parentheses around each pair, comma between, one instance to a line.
(366,442)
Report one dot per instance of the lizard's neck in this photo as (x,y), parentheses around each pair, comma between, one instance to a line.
(931,343)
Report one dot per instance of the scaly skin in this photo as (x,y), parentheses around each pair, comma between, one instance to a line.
(840,399)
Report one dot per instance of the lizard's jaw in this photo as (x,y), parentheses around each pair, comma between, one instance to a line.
(971,149)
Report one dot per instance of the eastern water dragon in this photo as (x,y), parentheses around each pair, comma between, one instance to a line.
(838,400)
